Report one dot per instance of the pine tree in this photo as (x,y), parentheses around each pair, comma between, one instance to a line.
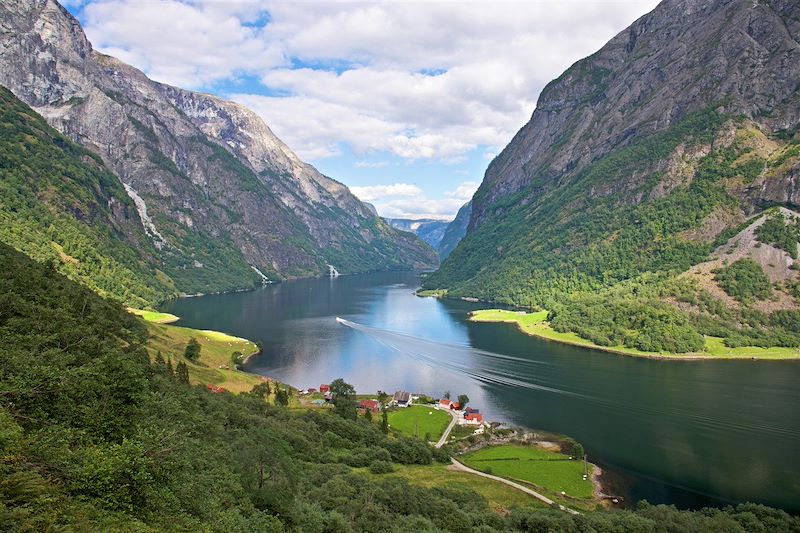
(160,359)
(385,422)
(169,367)
(182,372)
(368,414)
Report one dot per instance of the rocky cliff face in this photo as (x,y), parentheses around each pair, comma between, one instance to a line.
(740,55)
(640,155)
(455,231)
(219,194)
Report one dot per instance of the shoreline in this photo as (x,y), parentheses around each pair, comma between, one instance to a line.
(628,352)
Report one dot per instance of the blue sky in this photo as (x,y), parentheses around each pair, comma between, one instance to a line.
(405,102)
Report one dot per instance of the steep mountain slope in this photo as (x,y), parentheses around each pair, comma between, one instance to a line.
(637,156)
(638,161)
(429,230)
(455,231)
(222,199)
(60,205)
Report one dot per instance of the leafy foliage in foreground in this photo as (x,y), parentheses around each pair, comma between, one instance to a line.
(95,437)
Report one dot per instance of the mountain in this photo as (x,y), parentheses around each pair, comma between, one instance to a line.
(637,162)
(221,198)
(455,231)
(60,204)
(429,230)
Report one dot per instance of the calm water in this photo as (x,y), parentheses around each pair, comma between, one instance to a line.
(689,433)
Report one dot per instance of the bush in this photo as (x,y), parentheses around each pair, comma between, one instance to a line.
(743,280)
(381,467)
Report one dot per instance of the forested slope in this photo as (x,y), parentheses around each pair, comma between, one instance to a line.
(60,204)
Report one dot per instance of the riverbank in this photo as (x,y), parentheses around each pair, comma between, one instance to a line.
(536,325)
(220,353)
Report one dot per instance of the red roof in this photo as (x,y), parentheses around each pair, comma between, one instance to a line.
(372,405)
(444,402)
(455,406)
(214,389)
(324,388)
(474,416)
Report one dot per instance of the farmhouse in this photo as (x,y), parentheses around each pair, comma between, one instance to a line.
(444,403)
(402,398)
(324,388)
(371,405)
(473,419)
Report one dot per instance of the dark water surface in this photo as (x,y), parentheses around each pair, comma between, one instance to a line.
(691,433)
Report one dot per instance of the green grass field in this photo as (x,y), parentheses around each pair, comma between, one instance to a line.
(214,364)
(418,420)
(154,316)
(550,471)
(501,498)
(536,324)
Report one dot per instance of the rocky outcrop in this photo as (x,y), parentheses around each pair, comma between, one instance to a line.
(222,193)
(639,156)
(686,55)
(455,231)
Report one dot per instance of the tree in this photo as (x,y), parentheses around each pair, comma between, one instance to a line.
(368,415)
(160,359)
(447,395)
(236,359)
(169,367)
(385,422)
(463,400)
(192,352)
(282,396)
(343,397)
(182,372)
(383,398)
(261,390)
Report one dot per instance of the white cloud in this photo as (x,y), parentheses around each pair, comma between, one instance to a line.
(464,191)
(405,200)
(430,80)
(370,164)
(374,192)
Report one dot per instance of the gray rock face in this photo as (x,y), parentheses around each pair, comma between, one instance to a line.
(455,231)
(220,189)
(686,55)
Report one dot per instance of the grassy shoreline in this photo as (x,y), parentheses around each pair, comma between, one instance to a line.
(536,325)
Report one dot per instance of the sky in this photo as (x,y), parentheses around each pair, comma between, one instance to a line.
(404,102)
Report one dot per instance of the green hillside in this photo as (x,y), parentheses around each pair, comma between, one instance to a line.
(607,264)
(60,205)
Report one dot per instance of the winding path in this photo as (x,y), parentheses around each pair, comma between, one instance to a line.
(464,468)
(447,431)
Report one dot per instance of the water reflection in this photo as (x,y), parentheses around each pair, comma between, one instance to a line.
(728,429)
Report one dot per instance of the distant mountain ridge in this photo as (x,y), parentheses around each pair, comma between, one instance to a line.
(226,201)
(429,230)
(455,231)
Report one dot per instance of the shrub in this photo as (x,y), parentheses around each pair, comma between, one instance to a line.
(381,467)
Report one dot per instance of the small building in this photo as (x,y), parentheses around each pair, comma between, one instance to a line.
(370,405)
(328,397)
(444,403)
(473,419)
(311,390)
(324,388)
(470,410)
(402,398)
(214,389)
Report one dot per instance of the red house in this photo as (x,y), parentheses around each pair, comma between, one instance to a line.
(474,418)
(372,405)
(324,388)
(444,403)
